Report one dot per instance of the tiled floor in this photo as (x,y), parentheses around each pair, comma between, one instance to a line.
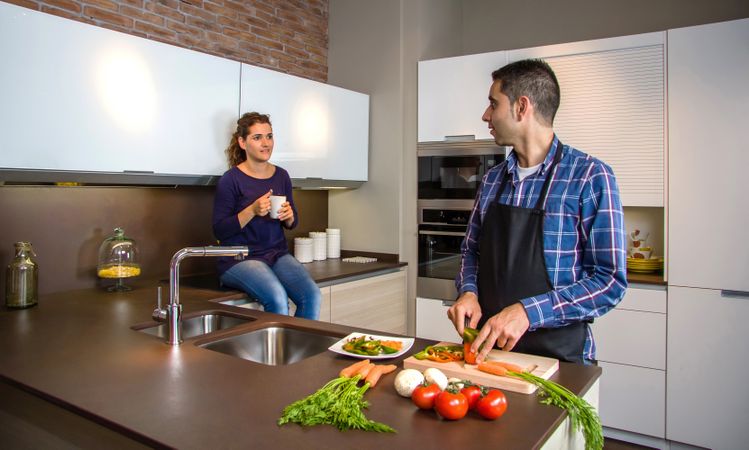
(611,444)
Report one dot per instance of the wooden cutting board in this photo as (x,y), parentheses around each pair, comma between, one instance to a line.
(537,365)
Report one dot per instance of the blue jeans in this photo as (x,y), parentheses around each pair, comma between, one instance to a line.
(273,286)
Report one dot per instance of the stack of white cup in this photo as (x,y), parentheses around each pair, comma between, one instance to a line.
(319,245)
(303,249)
(334,242)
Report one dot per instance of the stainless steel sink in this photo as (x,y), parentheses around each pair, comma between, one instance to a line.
(199,325)
(274,345)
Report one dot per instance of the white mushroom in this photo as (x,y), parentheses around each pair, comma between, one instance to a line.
(407,380)
(435,376)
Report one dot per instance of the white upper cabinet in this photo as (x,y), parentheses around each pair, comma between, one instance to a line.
(90,101)
(613,107)
(708,68)
(77,97)
(453,94)
(320,131)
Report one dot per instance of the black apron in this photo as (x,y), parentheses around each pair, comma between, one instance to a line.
(512,267)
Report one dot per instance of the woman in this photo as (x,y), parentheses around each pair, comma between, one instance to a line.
(240,217)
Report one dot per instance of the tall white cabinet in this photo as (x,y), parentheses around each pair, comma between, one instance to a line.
(708,264)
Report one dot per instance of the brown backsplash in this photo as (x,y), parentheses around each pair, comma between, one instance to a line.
(66,226)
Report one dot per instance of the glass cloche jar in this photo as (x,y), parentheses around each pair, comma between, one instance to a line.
(118,259)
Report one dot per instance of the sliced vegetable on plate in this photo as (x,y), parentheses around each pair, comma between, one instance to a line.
(369,346)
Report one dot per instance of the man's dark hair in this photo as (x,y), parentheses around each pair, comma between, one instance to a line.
(534,79)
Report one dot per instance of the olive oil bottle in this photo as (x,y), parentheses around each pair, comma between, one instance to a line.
(22,278)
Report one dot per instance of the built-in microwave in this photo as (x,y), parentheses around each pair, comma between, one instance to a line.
(453,170)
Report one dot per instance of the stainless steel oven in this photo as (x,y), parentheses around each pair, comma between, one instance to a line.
(442,227)
(453,170)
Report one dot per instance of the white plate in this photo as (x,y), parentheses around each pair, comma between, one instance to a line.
(338,346)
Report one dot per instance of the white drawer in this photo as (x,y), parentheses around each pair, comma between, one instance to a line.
(631,337)
(642,297)
(633,399)
(432,321)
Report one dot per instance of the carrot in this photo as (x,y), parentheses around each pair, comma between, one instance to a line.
(493,369)
(388,368)
(364,370)
(374,376)
(508,366)
(377,372)
(499,368)
(351,370)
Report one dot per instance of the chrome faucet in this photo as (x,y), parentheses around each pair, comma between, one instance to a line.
(172,314)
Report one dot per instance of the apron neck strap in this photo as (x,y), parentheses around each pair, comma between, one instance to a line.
(549,174)
(547,182)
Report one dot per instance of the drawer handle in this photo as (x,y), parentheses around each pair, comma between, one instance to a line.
(448,303)
(734,294)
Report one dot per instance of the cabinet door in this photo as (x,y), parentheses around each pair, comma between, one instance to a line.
(708,362)
(113,102)
(432,321)
(633,399)
(376,303)
(708,102)
(453,95)
(320,131)
(612,107)
(631,337)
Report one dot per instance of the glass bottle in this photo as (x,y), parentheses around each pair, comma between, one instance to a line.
(22,278)
(118,259)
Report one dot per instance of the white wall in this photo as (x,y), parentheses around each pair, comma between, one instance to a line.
(374,47)
(490,25)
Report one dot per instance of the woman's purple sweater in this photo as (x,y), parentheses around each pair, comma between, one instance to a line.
(264,236)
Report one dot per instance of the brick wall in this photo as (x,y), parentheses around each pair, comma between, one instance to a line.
(286,35)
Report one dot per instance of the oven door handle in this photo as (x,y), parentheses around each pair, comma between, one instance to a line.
(442,233)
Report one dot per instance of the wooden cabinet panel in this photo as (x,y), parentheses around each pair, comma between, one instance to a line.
(325,304)
(633,399)
(376,303)
(708,361)
(432,321)
(708,108)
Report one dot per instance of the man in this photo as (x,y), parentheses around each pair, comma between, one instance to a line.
(544,253)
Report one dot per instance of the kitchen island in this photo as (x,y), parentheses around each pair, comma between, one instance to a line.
(76,356)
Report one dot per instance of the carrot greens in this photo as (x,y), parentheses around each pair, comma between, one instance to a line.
(581,413)
(339,403)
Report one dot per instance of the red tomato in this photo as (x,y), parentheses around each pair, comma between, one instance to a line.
(492,405)
(472,394)
(424,396)
(451,406)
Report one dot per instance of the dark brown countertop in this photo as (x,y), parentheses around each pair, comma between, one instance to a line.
(78,350)
(323,272)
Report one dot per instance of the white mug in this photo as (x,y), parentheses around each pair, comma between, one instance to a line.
(276,201)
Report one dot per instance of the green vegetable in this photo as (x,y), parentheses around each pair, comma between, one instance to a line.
(373,347)
(339,403)
(581,412)
(469,335)
(441,353)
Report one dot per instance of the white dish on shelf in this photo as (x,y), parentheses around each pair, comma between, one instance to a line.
(338,346)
